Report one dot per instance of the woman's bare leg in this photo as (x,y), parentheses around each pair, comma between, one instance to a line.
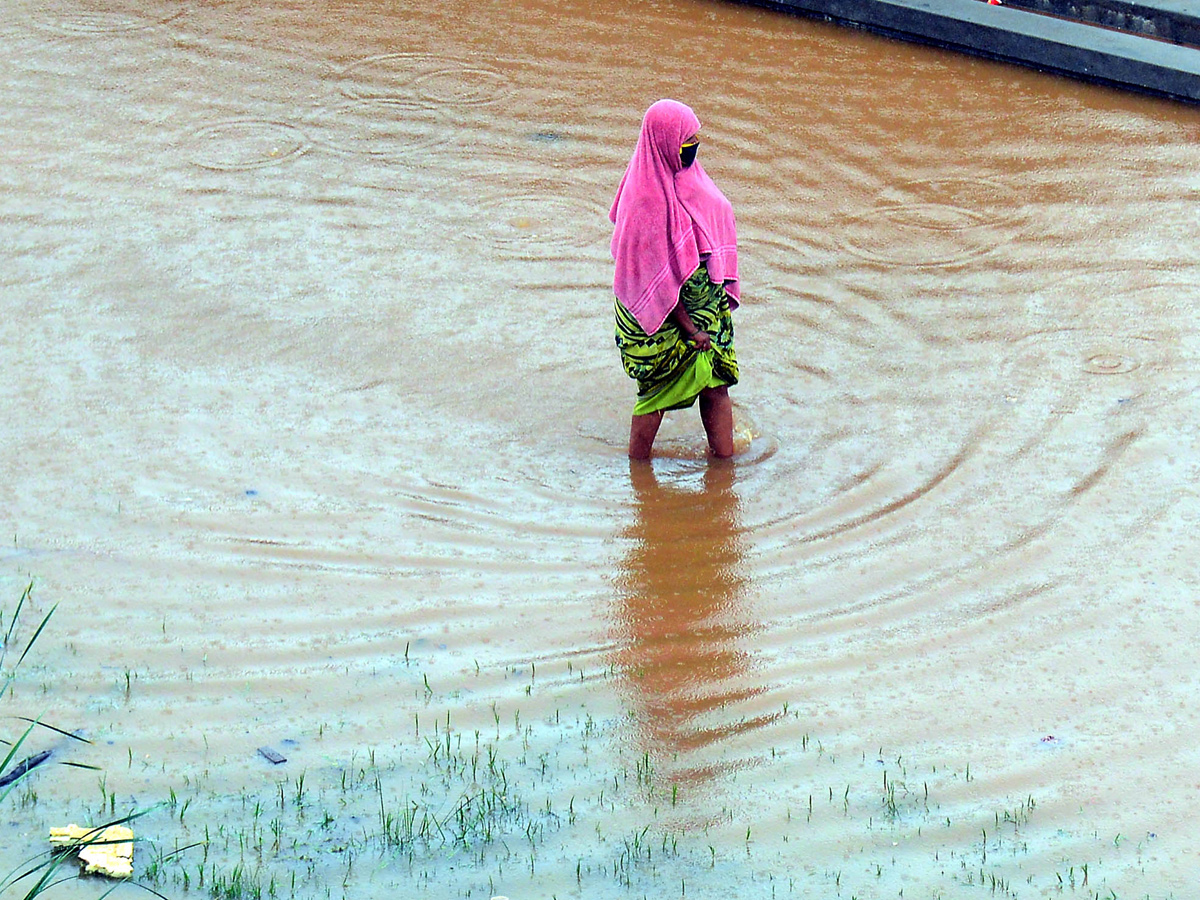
(716,412)
(642,431)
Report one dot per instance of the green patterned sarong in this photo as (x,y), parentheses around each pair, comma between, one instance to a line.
(669,370)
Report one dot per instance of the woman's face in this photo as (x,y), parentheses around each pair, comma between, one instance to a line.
(688,150)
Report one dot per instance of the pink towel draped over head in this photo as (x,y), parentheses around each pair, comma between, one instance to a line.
(667,218)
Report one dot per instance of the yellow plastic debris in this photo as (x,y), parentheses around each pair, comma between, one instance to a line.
(107,851)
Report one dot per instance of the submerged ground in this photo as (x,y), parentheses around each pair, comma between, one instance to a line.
(313,438)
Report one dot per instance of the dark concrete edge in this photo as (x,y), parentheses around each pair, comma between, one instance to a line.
(1159,21)
(1125,66)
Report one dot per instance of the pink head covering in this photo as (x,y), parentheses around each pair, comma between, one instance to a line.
(667,217)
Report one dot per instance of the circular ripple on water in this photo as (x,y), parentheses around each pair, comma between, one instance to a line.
(780,258)
(246,144)
(1072,363)
(777,270)
(1109,364)
(377,127)
(104,21)
(545,219)
(936,222)
(462,85)
(413,78)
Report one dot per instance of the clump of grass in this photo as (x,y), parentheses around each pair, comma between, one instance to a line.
(44,871)
(13,770)
(557,804)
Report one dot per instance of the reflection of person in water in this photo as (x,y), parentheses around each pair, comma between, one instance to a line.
(680,592)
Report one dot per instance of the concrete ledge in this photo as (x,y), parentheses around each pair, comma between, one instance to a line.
(1170,20)
(1014,35)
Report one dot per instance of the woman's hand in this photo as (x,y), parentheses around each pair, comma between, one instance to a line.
(688,329)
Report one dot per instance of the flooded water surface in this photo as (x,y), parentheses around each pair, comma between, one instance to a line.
(314,440)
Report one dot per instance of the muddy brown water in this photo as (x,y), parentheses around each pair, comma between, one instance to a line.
(313,436)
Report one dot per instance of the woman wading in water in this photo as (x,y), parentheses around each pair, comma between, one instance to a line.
(675,247)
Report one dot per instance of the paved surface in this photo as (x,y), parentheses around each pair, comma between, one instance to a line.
(1172,21)
(1015,35)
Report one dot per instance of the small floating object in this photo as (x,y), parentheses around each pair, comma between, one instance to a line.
(103,851)
(995,3)
(23,766)
(271,755)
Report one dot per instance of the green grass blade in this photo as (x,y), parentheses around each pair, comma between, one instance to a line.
(36,634)
(138,884)
(12,623)
(79,765)
(13,748)
(53,884)
(69,734)
(8,680)
(182,849)
(44,883)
